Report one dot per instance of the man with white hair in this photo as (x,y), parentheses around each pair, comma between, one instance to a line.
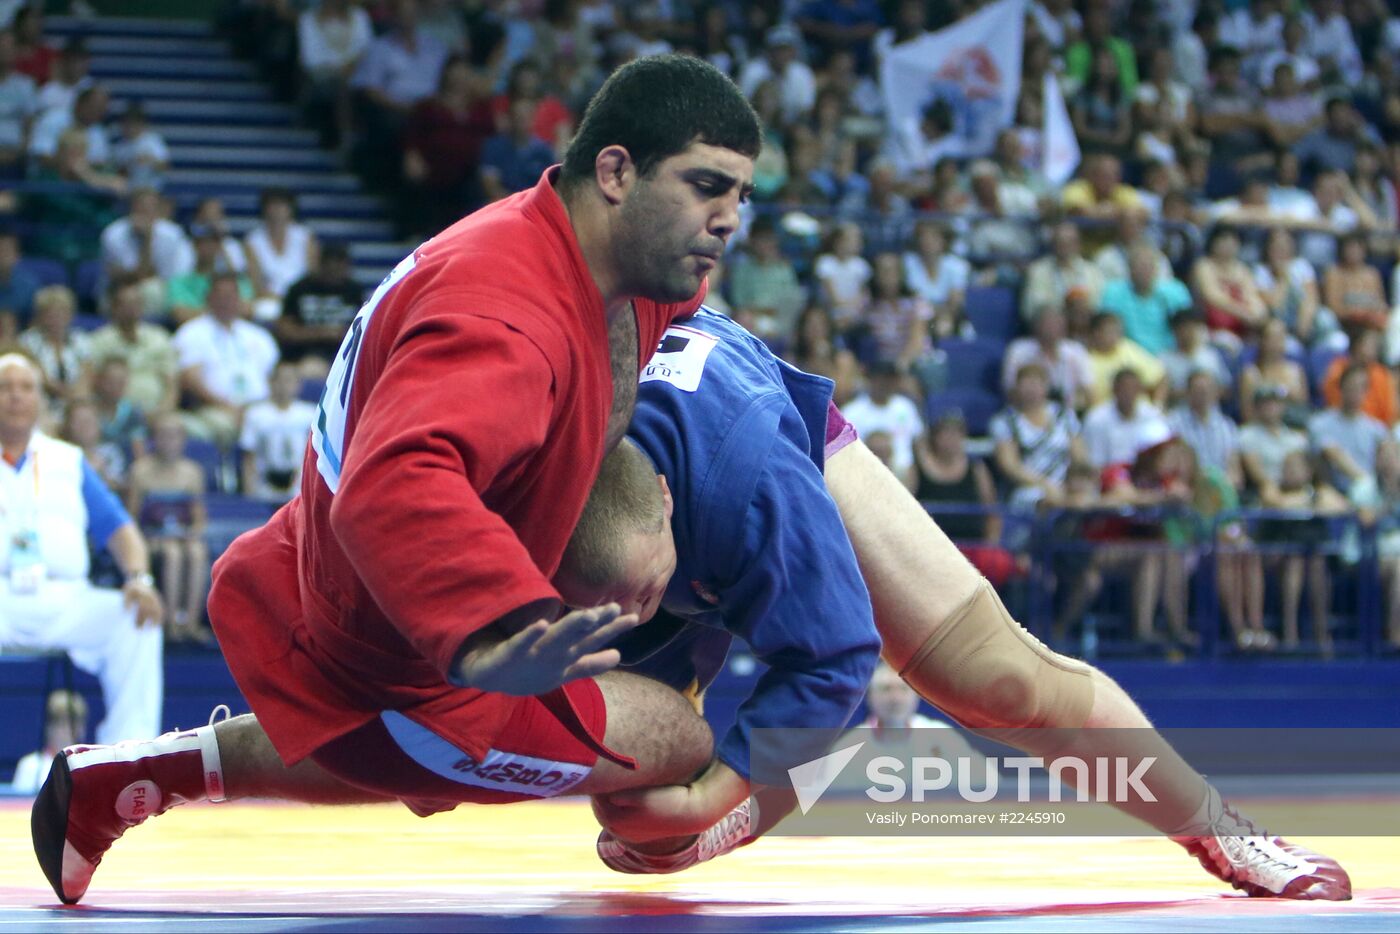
(51,501)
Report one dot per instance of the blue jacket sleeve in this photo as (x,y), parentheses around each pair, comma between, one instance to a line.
(105,512)
(799,601)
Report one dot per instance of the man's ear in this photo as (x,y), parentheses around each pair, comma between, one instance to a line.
(615,172)
(666,497)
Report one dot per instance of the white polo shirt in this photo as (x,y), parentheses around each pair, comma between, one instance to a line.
(234,361)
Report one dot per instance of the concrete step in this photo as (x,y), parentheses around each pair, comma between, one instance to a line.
(126,26)
(195,134)
(222,181)
(249,157)
(158,88)
(177,67)
(252,113)
(158,45)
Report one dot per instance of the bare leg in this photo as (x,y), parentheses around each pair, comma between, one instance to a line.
(1291,593)
(198,582)
(1147,587)
(252,769)
(1082,596)
(173,585)
(1254,591)
(918,579)
(1320,601)
(1175,596)
(654,725)
(1230,587)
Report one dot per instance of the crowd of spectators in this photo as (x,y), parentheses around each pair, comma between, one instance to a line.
(1202,319)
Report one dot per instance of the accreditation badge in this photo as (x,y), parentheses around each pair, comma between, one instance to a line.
(27,571)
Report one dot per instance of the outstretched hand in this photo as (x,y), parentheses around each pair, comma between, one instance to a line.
(545,655)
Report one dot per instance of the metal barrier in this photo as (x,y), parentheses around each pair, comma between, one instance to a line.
(1349,545)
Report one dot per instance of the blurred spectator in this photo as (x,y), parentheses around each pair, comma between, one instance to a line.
(1377,192)
(1190,49)
(947,474)
(1110,353)
(1113,428)
(1335,209)
(167,497)
(1016,167)
(1037,439)
(833,26)
(187,293)
(317,312)
(1169,100)
(1231,118)
(1081,56)
(50,340)
(33,56)
(551,121)
(1112,259)
(1056,20)
(1291,53)
(1150,477)
(1298,492)
(817,348)
(1209,432)
(843,276)
(280,250)
(331,40)
(1345,439)
(146,248)
(1330,41)
(210,213)
(1004,213)
(1291,112)
(881,407)
(1253,30)
(224,364)
(140,152)
(70,75)
(120,422)
(1332,147)
(65,724)
(885,215)
(1379,506)
(88,113)
(273,438)
(83,203)
(780,62)
(17,288)
(562,32)
(514,159)
(145,348)
(644,34)
(1100,195)
(400,67)
(1101,109)
(442,150)
(898,322)
(1146,301)
(1288,285)
(1267,441)
(19,103)
(1065,361)
(1181,239)
(1226,288)
(1352,287)
(82,427)
(840,75)
(1378,395)
(764,284)
(1192,352)
(1063,276)
(770,168)
(1273,367)
(936,275)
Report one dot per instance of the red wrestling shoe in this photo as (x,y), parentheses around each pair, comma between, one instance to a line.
(1265,866)
(95,793)
(730,833)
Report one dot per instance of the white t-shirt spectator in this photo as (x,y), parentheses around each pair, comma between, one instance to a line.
(1358,436)
(1109,438)
(1332,38)
(148,146)
(329,45)
(171,251)
(1320,248)
(797,86)
(18,103)
(1271,448)
(898,417)
(43,138)
(844,280)
(277,439)
(1069,369)
(1300,272)
(234,362)
(950,276)
(280,269)
(55,95)
(405,76)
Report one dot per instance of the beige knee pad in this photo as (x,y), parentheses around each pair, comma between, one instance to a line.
(984,670)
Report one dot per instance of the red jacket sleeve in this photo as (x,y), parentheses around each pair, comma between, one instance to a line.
(461,401)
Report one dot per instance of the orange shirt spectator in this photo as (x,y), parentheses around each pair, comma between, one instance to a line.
(1381,402)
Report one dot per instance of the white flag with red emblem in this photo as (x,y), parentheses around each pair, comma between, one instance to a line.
(1060,147)
(964,78)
